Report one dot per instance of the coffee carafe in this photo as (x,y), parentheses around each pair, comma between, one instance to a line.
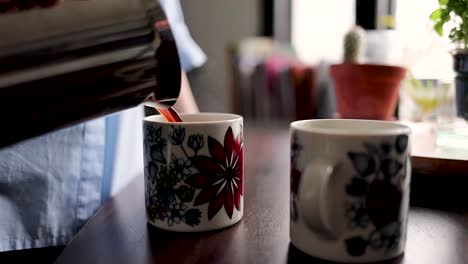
(80,60)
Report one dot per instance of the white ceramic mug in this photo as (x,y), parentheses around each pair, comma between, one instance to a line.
(194,171)
(349,189)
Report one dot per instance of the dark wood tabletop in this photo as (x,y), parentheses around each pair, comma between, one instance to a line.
(118,233)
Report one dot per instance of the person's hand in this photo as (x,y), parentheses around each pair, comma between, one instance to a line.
(8,6)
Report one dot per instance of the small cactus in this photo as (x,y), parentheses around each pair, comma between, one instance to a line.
(354,45)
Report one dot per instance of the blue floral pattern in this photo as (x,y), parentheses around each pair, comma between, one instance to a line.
(167,199)
(196,142)
(375,196)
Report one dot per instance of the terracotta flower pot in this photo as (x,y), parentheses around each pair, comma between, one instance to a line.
(365,91)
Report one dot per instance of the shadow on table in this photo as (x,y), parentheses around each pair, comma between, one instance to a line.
(295,256)
(199,247)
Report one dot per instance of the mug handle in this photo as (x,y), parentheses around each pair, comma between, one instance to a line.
(313,197)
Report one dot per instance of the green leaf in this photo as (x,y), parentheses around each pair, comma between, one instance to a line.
(437,14)
(459,8)
(445,15)
(451,5)
(443,2)
(439,28)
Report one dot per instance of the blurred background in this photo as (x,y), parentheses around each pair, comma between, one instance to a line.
(268,59)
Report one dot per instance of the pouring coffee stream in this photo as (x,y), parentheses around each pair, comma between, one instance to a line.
(167,73)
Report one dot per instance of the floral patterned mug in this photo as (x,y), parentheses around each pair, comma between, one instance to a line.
(349,189)
(194,171)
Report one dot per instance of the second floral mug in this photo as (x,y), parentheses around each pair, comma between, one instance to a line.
(349,189)
(194,172)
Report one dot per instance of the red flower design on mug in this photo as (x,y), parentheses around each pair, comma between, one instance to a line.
(220,176)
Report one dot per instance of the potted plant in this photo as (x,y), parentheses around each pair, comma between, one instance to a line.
(454,15)
(364,91)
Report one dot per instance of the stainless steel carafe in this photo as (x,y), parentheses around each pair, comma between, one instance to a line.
(81,60)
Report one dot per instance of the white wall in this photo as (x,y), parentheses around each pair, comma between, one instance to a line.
(214,24)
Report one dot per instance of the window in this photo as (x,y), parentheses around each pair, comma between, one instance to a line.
(318,28)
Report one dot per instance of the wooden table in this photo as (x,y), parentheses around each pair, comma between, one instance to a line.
(118,232)
(440,174)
